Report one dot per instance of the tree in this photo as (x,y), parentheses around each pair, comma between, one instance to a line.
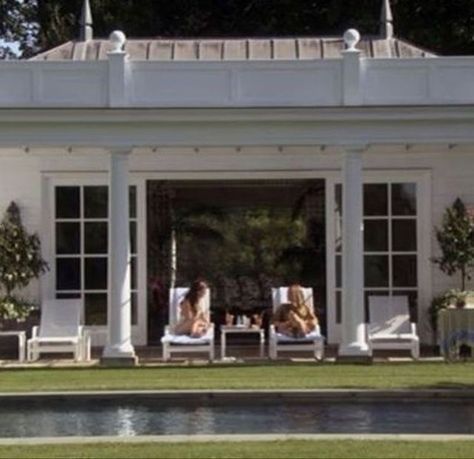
(20,262)
(442,26)
(456,241)
(18,27)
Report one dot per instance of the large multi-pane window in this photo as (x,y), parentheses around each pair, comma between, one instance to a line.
(81,248)
(390,242)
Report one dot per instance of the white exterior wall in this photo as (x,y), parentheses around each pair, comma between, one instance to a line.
(20,181)
(450,173)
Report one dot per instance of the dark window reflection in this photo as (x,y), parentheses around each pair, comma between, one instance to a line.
(67,203)
(375,199)
(338,271)
(338,307)
(134,308)
(376,235)
(404,235)
(338,197)
(68,296)
(95,273)
(133,272)
(133,201)
(404,271)
(404,199)
(68,238)
(95,202)
(133,237)
(95,237)
(68,274)
(376,270)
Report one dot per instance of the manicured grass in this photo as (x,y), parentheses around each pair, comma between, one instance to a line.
(276,449)
(243,376)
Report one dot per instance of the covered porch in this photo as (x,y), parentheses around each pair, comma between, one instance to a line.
(370,128)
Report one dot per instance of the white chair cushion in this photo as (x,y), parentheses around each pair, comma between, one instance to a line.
(186,339)
(395,337)
(313,336)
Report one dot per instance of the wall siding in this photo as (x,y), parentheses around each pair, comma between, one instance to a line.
(452,175)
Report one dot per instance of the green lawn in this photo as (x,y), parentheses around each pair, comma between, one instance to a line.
(275,449)
(243,376)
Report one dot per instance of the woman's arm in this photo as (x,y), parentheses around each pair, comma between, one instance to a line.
(186,311)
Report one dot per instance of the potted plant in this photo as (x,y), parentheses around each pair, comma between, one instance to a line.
(456,241)
(20,262)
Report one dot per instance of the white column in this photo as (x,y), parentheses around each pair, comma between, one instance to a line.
(354,341)
(119,345)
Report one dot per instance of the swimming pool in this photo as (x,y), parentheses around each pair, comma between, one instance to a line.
(154,415)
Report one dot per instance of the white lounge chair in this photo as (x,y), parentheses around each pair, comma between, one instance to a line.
(59,331)
(390,326)
(185,343)
(279,342)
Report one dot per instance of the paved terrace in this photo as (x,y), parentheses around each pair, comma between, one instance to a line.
(152,356)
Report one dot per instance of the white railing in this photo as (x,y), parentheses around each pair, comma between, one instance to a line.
(53,84)
(350,80)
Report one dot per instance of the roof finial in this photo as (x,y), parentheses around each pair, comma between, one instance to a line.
(386,20)
(86,32)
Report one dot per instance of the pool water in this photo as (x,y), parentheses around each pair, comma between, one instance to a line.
(63,417)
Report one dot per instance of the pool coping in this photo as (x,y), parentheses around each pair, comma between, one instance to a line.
(441,394)
(30,441)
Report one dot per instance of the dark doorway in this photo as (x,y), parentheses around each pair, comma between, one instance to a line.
(243,237)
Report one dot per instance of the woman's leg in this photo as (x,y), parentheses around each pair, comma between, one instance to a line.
(298,324)
(285,328)
(183,328)
(198,328)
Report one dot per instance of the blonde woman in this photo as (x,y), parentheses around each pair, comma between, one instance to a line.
(193,320)
(295,318)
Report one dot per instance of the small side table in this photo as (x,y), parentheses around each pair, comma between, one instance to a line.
(21,342)
(232,329)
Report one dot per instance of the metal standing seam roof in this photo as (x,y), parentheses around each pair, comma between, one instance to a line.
(244,49)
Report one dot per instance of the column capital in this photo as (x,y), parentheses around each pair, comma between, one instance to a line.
(120,150)
(355,148)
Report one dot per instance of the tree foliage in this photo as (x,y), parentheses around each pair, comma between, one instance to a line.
(18,26)
(442,26)
(20,262)
(456,241)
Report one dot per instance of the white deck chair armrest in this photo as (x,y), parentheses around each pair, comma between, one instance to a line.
(167,329)
(272,330)
(413,328)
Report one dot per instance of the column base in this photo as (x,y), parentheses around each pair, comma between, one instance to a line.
(354,353)
(119,361)
(364,359)
(122,356)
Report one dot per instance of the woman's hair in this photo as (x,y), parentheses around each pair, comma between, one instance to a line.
(193,294)
(295,294)
(296,297)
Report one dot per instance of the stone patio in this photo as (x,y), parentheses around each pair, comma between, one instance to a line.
(152,356)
